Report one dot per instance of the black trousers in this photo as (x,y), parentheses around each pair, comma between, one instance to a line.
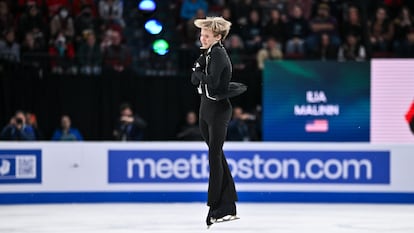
(214,119)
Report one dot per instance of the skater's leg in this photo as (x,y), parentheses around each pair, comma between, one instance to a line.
(215,181)
(217,136)
(204,130)
(229,194)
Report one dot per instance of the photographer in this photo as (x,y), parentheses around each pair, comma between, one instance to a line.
(17,129)
(129,127)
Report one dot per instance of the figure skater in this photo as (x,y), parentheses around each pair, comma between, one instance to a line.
(211,74)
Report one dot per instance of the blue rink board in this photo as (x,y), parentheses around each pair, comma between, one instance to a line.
(126,197)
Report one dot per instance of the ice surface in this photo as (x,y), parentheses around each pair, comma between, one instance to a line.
(182,218)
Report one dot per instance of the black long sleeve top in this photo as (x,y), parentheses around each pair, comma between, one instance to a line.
(215,77)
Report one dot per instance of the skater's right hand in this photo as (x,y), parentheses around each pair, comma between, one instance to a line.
(200,63)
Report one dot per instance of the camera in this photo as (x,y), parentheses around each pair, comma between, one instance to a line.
(19,121)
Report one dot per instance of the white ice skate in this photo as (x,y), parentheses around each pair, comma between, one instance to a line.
(226,218)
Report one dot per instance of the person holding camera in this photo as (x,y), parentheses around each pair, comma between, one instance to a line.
(129,126)
(17,129)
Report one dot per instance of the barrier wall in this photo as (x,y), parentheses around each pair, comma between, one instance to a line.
(45,172)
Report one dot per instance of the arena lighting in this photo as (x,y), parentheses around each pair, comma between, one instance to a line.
(153,26)
(148,6)
(160,46)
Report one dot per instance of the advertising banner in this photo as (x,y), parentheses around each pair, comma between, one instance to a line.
(20,166)
(339,167)
(61,172)
(316,101)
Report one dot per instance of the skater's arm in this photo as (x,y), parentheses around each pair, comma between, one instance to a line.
(215,67)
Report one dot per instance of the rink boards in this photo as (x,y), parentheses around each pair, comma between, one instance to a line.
(46,172)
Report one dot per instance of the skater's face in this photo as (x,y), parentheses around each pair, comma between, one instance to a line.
(207,38)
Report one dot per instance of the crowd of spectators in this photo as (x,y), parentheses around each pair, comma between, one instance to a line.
(93,36)
(129,126)
(343,30)
(67,36)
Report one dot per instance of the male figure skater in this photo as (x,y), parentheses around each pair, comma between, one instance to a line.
(212,74)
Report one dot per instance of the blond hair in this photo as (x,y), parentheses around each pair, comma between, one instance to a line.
(218,25)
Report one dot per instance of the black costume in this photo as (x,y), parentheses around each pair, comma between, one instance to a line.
(212,75)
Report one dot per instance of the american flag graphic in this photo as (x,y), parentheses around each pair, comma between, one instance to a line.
(317,125)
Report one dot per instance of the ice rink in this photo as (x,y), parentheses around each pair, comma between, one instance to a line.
(181,218)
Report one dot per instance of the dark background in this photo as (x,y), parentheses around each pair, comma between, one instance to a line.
(93,101)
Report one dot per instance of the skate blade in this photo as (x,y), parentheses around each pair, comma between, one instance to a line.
(225,219)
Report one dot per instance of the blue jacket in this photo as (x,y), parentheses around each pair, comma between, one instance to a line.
(72,135)
(10,132)
(189,9)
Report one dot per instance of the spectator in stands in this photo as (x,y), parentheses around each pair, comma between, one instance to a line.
(190,131)
(270,5)
(117,56)
(228,15)
(66,132)
(111,11)
(297,31)
(353,24)
(106,39)
(62,54)
(238,129)
(305,5)
(352,49)
(31,120)
(85,22)
(9,48)
(32,21)
(17,129)
(32,50)
(22,5)
(275,27)
(402,25)
(241,9)
(79,5)
(334,7)
(252,32)
(322,23)
(6,17)
(192,33)
(54,6)
(129,126)
(89,55)
(189,8)
(235,49)
(271,51)
(326,50)
(62,23)
(406,50)
(381,32)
